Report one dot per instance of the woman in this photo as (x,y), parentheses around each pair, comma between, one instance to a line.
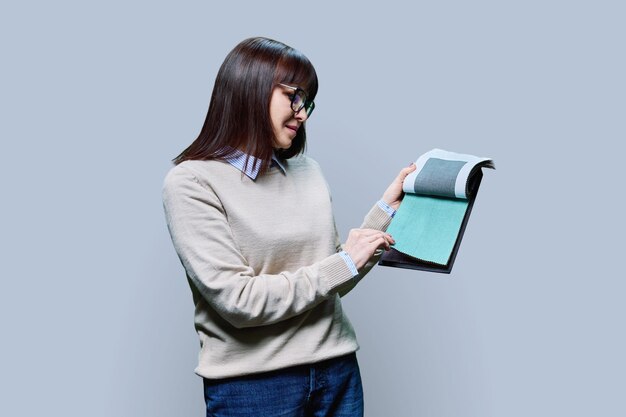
(251,220)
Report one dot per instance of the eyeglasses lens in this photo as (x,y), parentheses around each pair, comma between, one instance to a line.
(299,98)
(309,109)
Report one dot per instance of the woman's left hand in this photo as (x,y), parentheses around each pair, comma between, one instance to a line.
(393,194)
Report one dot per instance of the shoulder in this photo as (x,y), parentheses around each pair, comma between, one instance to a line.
(196,170)
(178,175)
(194,176)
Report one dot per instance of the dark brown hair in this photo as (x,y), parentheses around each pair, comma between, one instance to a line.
(238,116)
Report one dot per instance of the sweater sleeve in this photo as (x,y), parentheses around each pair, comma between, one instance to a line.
(205,245)
(378,219)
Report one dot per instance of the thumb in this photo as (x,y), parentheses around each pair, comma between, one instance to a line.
(406,171)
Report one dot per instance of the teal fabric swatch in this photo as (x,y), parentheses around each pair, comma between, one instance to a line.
(426,227)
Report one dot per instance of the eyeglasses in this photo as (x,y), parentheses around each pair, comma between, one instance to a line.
(299,100)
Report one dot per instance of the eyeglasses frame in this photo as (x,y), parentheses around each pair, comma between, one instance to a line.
(307,105)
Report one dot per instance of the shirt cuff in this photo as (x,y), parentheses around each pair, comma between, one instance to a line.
(351,266)
(390,211)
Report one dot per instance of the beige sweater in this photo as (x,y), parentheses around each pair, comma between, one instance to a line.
(261,259)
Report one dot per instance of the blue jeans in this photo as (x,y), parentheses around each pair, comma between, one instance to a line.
(329,388)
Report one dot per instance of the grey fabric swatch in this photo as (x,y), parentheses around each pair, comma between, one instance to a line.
(438,177)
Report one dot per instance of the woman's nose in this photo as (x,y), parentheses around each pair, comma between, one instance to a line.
(301,115)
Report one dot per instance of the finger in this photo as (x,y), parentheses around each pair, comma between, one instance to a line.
(381,242)
(406,171)
(384,236)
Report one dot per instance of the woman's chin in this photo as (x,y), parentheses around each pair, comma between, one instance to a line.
(283,146)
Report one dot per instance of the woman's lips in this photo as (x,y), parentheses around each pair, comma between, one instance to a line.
(294,129)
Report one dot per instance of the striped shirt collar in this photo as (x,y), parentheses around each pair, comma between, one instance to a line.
(237,159)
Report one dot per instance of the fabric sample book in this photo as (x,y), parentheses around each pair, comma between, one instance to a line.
(430,222)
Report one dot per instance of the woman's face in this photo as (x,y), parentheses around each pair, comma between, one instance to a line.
(285,122)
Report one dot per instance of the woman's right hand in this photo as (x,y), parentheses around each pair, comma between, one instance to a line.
(362,243)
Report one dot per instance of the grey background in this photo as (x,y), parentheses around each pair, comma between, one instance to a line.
(97,97)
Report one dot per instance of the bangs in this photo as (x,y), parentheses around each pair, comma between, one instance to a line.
(295,69)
